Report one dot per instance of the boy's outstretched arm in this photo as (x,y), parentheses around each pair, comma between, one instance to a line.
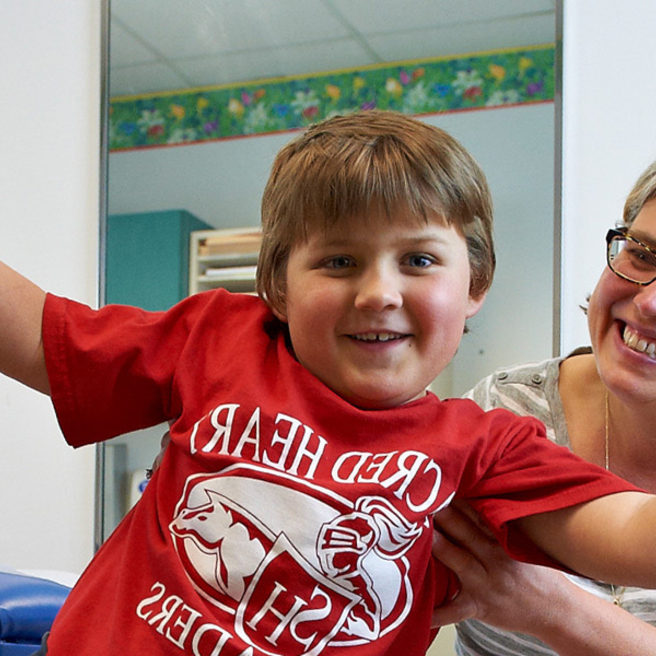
(612,538)
(21,346)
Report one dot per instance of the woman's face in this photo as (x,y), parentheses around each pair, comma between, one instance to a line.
(622,321)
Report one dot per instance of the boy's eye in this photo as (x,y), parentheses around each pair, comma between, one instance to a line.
(338,262)
(419,260)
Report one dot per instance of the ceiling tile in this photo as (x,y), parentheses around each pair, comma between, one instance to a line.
(468,38)
(146,78)
(208,42)
(196,27)
(384,16)
(277,62)
(126,49)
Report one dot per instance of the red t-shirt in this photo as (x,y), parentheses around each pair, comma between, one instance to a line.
(283,520)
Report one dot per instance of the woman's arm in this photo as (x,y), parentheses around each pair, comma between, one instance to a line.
(528,599)
(21,314)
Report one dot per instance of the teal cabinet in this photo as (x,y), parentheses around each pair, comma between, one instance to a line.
(147,258)
(147,265)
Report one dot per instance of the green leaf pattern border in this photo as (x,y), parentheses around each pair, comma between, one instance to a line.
(419,87)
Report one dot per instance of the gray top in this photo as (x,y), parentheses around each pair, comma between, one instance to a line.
(532,389)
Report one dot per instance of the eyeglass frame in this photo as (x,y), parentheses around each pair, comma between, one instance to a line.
(611,235)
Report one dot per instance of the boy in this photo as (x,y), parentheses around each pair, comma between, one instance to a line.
(291,511)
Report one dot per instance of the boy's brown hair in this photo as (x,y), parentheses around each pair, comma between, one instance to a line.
(347,166)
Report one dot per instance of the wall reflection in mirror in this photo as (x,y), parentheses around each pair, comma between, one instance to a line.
(205,92)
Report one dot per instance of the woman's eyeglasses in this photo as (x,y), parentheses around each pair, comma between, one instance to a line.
(629,258)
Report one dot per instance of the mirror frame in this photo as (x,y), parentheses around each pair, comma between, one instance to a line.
(99,505)
(105,37)
(559,62)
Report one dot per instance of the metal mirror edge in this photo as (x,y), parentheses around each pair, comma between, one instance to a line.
(558,183)
(99,509)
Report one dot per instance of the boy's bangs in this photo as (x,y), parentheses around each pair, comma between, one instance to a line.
(331,195)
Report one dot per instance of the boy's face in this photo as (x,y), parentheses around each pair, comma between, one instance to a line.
(376,308)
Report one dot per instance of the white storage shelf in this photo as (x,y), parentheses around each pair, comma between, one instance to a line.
(223,258)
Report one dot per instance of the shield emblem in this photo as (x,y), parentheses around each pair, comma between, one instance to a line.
(276,620)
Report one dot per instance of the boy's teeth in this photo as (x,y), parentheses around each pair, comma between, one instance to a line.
(639,344)
(376,337)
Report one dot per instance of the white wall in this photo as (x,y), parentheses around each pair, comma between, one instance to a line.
(49,126)
(609,135)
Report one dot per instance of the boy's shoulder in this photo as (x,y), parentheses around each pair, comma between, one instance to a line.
(473,415)
(221,308)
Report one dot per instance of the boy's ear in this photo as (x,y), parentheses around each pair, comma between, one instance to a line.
(279,310)
(475,304)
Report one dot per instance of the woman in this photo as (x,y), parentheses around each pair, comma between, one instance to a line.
(602,405)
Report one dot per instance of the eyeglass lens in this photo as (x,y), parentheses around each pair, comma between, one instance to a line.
(632,260)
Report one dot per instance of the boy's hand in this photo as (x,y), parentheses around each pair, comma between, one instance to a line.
(494,588)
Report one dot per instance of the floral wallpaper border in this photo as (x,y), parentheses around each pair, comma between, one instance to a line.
(506,77)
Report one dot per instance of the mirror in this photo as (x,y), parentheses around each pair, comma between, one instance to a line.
(205,92)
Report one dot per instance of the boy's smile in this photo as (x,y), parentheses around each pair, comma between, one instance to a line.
(376,308)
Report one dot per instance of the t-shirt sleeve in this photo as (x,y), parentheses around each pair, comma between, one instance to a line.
(111,370)
(531,475)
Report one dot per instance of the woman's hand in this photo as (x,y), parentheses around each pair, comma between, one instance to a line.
(163,444)
(538,601)
(495,589)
